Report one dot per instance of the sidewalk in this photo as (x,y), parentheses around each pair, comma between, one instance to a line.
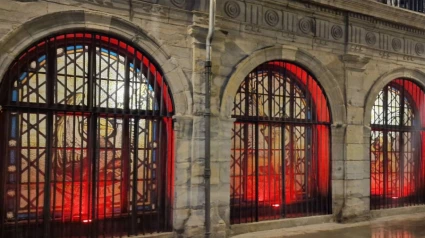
(401,226)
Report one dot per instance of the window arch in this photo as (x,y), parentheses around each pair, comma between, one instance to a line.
(87,140)
(396,149)
(281,145)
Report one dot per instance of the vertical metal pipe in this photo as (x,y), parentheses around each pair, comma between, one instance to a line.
(207,171)
(344,167)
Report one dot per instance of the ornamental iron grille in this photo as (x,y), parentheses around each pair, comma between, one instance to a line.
(396,153)
(281,146)
(86,143)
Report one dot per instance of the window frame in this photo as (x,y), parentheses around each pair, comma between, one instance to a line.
(161,116)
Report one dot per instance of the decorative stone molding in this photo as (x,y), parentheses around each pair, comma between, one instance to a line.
(356,48)
(258,17)
(320,42)
(396,44)
(419,49)
(154,9)
(383,14)
(384,54)
(232,9)
(370,38)
(306,25)
(252,28)
(337,32)
(322,8)
(408,58)
(271,17)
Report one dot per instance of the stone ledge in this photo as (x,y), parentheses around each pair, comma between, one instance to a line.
(312,230)
(397,211)
(155,235)
(279,224)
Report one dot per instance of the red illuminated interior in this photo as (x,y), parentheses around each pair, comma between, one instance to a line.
(417,97)
(270,183)
(83,211)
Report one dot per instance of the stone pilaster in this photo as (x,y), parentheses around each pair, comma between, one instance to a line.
(338,134)
(182,170)
(356,172)
(221,142)
(195,225)
(221,129)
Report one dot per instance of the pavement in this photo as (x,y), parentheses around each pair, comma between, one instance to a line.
(401,226)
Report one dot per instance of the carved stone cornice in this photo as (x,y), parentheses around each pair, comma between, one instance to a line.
(374,11)
(321,23)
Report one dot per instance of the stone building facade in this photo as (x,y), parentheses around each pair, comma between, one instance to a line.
(352,48)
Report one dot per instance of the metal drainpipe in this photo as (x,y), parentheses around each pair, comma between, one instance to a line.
(207,115)
(344,167)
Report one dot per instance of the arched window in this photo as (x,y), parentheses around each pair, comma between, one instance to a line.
(86,140)
(280,153)
(396,151)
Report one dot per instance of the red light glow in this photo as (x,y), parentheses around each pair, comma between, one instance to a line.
(86,220)
(276,205)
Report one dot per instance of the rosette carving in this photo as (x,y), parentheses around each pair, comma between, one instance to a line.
(370,38)
(419,48)
(232,9)
(396,43)
(306,25)
(337,32)
(271,17)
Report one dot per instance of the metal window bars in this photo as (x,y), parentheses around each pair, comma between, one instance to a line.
(396,146)
(280,164)
(414,5)
(86,149)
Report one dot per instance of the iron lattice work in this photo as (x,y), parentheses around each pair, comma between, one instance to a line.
(396,151)
(86,142)
(281,146)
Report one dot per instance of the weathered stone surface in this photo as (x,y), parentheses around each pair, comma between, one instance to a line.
(269,225)
(354,134)
(355,209)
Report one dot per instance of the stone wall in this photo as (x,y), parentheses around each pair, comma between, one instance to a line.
(353,48)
